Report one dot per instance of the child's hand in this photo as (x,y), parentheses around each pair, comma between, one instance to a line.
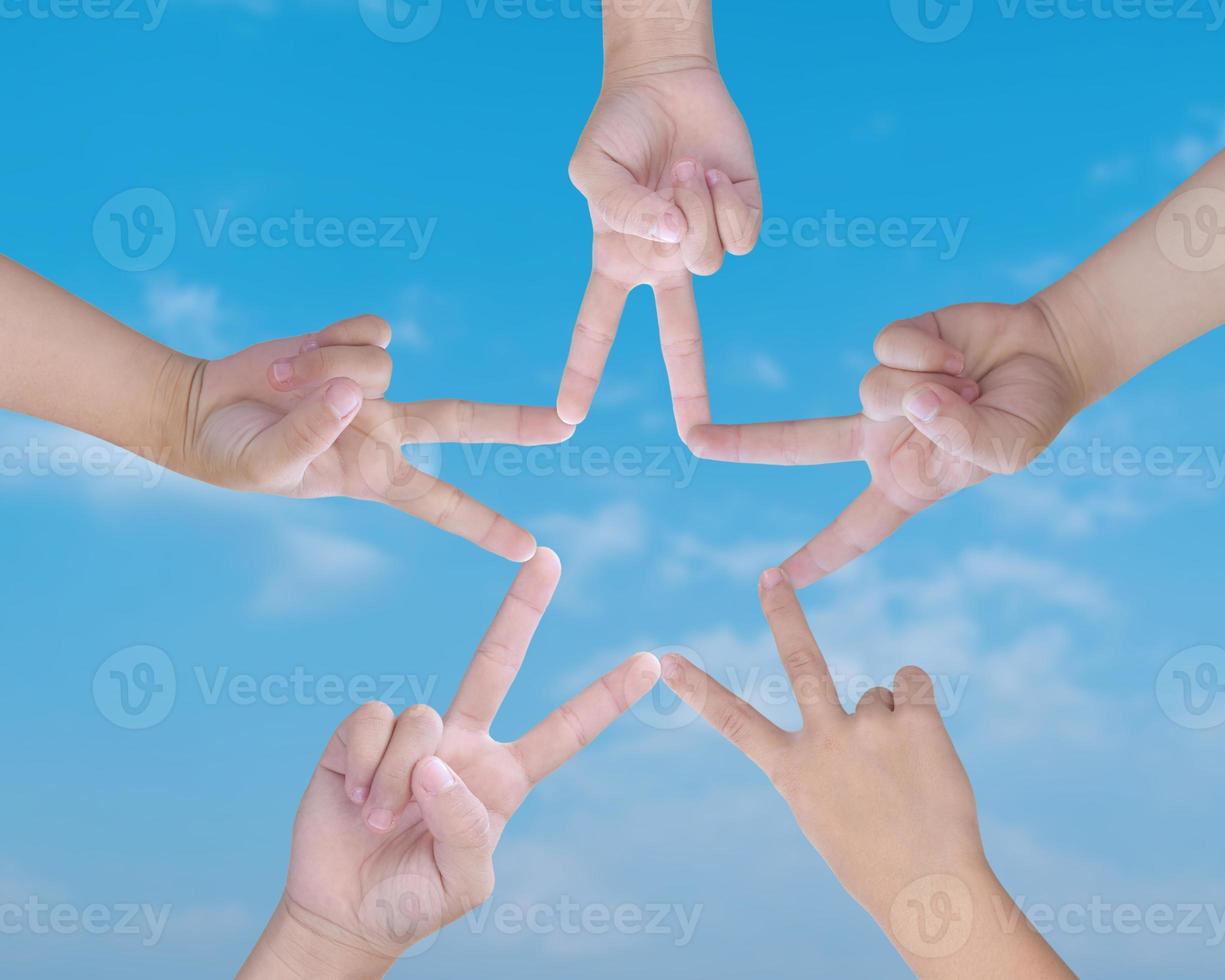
(883,797)
(667,167)
(959,394)
(396,833)
(305,417)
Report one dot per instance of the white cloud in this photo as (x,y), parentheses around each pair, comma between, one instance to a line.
(186,315)
(1116,170)
(586,544)
(1046,504)
(688,557)
(767,372)
(312,571)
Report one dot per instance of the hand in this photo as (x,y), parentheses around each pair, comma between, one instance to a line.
(959,394)
(667,167)
(396,833)
(305,417)
(883,797)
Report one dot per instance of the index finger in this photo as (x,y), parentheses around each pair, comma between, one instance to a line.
(594,333)
(807,442)
(680,336)
(575,725)
(456,420)
(867,521)
(501,652)
(733,718)
(797,649)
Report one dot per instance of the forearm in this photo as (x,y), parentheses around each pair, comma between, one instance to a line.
(67,362)
(289,950)
(965,926)
(641,36)
(1155,288)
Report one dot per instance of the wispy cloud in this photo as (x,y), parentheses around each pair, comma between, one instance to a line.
(313,571)
(186,315)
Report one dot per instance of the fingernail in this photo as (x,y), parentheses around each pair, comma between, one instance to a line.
(771,578)
(436,776)
(668,228)
(672,668)
(923,405)
(685,171)
(969,391)
(358,794)
(380,819)
(282,371)
(713,177)
(955,364)
(342,400)
(310,345)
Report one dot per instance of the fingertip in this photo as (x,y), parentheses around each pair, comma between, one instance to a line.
(343,398)
(549,561)
(647,666)
(715,177)
(772,578)
(672,668)
(921,404)
(671,227)
(572,411)
(522,549)
(281,374)
(802,571)
(697,439)
(956,364)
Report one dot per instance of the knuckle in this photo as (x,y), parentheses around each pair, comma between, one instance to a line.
(382,364)
(733,723)
(575,724)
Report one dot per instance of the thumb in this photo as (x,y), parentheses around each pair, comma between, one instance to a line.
(993,439)
(624,204)
(459,824)
(308,431)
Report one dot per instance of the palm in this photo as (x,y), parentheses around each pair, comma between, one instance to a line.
(1025,395)
(349,877)
(247,432)
(1026,398)
(432,862)
(647,124)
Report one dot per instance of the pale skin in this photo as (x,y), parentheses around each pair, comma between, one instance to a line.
(883,797)
(979,389)
(395,836)
(300,417)
(667,168)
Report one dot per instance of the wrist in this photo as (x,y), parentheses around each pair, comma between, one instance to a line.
(174,408)
(962,922)
(292,948)
(1082,329)
(645,37)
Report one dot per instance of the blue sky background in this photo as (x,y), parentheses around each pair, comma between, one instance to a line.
(1051,602)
